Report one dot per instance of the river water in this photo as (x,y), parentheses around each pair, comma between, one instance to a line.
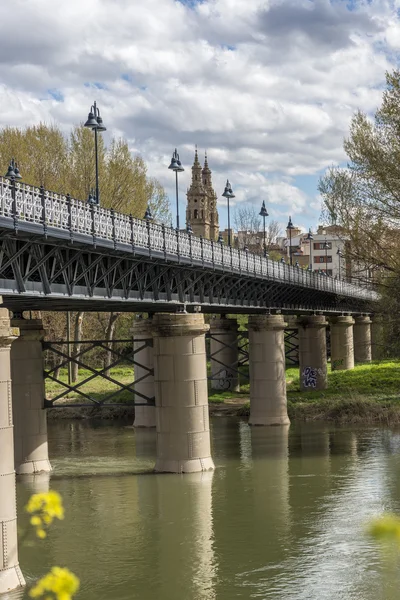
(282,517)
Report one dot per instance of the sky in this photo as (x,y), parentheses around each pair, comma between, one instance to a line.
(267,87)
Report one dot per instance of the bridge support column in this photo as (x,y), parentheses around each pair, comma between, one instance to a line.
(30,424)
(10,573)
(224,356)
(268,404)
(312,353)
(180,376)
(342,343)
(362,339)
(377,339)
(145,416)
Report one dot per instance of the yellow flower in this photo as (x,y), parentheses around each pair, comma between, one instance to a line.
(60,582)
(44,508)
(386,527)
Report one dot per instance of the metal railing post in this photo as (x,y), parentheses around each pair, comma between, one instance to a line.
(71,233)
(44,215)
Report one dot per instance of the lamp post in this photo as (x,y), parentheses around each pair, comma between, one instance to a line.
(176,166)
(220,238)
(326,247)
(13,171)
(310,239)
(339,253)
(95,122)
(264,213)
(290,226)
(228,194)
(147,215)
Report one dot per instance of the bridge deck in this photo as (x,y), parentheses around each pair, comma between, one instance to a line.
(58,253)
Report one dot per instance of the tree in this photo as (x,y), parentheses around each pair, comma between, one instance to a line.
(248,224)
(363,199)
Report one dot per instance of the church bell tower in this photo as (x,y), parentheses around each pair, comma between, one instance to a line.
(201,211)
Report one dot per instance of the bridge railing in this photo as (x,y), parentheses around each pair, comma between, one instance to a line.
(21,203)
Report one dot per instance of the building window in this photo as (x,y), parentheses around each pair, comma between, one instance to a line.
(196,213)
(321,245)
(321,259)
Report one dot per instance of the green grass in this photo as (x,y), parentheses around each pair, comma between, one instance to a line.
(369,393)
(98,388)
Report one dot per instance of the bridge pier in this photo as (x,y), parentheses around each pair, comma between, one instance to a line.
(224,354)
(30,424)
(10,573)
(377,339)
(180,376)
(342,343)
(362,339)
(145,416)
(268,403)
(312,353)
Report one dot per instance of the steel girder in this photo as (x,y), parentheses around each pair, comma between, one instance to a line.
(38,275)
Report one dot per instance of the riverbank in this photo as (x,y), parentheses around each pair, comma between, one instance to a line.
(369,394)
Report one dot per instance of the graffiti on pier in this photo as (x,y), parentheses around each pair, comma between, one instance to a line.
(309,377)
(337,363)
(223,380)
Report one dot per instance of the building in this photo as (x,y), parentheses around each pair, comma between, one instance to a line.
(201,210)
(326,254)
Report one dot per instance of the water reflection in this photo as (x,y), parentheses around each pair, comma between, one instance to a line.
(281,517)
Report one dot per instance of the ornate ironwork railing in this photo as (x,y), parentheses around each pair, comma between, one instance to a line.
(49,214)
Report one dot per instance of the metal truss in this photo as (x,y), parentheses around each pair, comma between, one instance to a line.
(292,346)
(38,275)
(82,359)
(240,344)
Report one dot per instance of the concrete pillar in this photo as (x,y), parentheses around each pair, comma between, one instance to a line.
(145,416)
(224,355)
(312,353)
(362,339)
(30,424)
(268,404)
(377,338)
(342,343)
(10,573)
(180,377)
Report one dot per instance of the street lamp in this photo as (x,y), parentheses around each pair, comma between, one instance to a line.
(95,122)
(176,166)
(339,253)
(13,171)
(228,194)
(263,213)
(310,239)
(147,215)
(326,247)
(189,229)
(220,238)
(290,226)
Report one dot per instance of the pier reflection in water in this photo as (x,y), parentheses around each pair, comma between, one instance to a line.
(281,517)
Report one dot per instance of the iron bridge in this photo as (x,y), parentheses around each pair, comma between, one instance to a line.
(59,253)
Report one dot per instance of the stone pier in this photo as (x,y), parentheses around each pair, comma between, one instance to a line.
(180,377)
(30,424)
(362,339)
(224,355)
(377,338)
(268,404)
(145,416)
(312,353)
(342,343)
(10,573)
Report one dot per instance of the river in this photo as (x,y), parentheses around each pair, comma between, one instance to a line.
(282,517)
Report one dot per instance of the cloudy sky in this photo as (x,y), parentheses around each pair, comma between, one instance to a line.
(266,86)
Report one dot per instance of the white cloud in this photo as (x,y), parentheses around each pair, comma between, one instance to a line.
(268,87)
